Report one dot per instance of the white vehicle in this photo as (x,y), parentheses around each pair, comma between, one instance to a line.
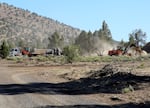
(15,52)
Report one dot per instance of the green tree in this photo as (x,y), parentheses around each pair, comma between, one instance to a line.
(137,37)
(80,39)
(71,52)
(21,43)
(131,39)
(85,41)
(11,44)
(56,41)
(122,43)
(82,42)
(91,42)
(4,51)
(104,32)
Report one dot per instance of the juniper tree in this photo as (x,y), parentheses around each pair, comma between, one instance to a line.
(4,51)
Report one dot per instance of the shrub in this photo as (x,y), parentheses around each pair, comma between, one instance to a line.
(41,58)
(17,59)
(4,51)
(128,89)
(141,66)
(71,53)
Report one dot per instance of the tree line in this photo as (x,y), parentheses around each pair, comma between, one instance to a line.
(85,43)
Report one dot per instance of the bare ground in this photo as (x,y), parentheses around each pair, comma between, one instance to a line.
(78,85)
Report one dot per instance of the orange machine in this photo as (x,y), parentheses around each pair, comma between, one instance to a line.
(116,52)
(25,51)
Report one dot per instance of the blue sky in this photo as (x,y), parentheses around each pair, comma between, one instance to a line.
(122,16)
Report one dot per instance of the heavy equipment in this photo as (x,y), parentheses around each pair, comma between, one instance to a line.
(26,51)
(116,52)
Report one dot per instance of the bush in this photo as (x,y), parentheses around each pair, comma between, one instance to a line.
(89,58)
(17,59)
(41,58)
(56,59)
(71,53)
(128,89)
(4,51)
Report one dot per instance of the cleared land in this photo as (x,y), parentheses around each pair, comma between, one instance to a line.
(31,84)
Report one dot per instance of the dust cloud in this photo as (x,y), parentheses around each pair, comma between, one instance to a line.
(102,47)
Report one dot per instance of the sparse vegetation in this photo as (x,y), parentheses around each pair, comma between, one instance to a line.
(142,65)
(105,58)
(41,59)
(128,89)
(30,29)
(17,59)
(76,66)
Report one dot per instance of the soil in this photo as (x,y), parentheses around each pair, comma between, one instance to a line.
(77,85)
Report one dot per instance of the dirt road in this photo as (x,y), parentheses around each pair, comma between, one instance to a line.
(43,86)
(24,87)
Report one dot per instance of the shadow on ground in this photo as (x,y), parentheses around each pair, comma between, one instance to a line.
(90,85)
(128,105)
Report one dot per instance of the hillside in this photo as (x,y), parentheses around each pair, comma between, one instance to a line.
(22,27)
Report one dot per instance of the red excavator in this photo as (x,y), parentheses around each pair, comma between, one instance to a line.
(26,51)
(116,52)
(121,50)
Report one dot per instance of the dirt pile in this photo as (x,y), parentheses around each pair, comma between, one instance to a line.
(147,47)
(107,80)
(111,79)
(106,71)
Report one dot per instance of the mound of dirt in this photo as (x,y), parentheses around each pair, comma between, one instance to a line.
(108,80)
(106,71)
(147,47)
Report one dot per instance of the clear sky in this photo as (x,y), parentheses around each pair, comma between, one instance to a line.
(122,16)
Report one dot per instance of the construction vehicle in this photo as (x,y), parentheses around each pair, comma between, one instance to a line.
(124,50)
(26,51)
(116,52)
(15,52)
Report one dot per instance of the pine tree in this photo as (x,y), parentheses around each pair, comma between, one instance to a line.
(56,41)
(105,33)
(82,41)
(4,52)
(85,41)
